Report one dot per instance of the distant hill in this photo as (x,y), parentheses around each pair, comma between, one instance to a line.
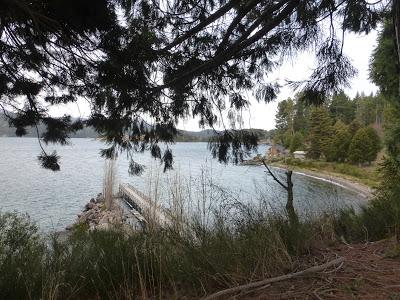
(7,131)
(88,132)
(205,135)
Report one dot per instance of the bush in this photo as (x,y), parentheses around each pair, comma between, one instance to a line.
(21,254)
(381,218)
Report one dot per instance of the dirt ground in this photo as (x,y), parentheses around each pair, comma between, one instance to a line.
(370,271)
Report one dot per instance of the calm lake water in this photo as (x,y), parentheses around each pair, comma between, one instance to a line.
(53,199)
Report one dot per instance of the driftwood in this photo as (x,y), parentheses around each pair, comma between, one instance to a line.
(268,281)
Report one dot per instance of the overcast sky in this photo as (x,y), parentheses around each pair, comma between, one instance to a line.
(357,47)
(260,115)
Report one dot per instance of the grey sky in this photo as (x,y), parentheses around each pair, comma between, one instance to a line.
(261,115)
(357,47)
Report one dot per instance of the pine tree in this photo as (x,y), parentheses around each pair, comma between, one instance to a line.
(342,108)
(338,145)
(320,130)
(364,146)
(374,142)
(358,146)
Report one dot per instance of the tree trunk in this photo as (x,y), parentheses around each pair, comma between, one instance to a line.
(293,218)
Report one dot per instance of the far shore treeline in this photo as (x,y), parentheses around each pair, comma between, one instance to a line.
(89,132)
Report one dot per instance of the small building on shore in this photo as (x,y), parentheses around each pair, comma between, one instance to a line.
(299,154)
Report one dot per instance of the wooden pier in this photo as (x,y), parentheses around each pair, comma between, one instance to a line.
(144,207)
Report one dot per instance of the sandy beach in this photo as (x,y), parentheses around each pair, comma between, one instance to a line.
(338,179)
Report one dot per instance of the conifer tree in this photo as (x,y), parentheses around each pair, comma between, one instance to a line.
(320,130)
(374,142)
(364,146)
(338,145)
(342,108)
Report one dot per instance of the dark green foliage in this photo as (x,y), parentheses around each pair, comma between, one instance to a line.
(384,68)
(384,71)
(49,161)
(380,218)
(338,145)
(232,145)
(392,129)
(297,142)
(364,146)
(376,144)
(320,131)
(302,114)
(284,119)
(21,254)
(150,66)
(292,116)
(358,146)
(342,108)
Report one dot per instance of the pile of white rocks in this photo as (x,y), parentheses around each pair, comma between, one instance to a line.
(98,217)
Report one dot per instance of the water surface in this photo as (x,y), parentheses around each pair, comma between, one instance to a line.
(53,199)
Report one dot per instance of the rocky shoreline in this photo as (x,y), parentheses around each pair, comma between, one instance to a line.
(97,217)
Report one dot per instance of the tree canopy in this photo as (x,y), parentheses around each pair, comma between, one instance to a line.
(143,65)
(364,146)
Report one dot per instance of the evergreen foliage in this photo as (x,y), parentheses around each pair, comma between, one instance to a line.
(320,131)
(297,142)
(364,146)
(284,120)
(342,108)
(150,65)
(319,136)
(338,146)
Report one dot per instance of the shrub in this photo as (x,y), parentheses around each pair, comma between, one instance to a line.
(21,253)
(381,217)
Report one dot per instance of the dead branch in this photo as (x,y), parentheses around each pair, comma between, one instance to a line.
(273,176)
(268,281)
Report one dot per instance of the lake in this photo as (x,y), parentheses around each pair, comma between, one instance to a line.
(53,199)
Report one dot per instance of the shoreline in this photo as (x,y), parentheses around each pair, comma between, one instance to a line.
(343,181)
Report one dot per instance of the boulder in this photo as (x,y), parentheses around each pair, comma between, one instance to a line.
(99,198)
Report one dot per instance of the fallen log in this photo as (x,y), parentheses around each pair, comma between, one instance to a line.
(268,281)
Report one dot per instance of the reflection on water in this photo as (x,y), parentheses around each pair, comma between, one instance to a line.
(54,199)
